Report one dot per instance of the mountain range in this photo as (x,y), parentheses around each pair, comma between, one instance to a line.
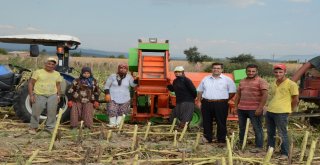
(102,53)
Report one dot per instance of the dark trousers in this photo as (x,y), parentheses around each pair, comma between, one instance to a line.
(256,122)
(278,121)
(219,112)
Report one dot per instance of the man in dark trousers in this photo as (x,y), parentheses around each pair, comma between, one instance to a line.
(252,95)
(214,92)
(185,95)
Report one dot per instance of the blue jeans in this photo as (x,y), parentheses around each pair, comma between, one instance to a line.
(256,122)
(278,121)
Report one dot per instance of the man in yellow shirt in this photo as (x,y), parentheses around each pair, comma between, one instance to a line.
(44,93)
(284,94)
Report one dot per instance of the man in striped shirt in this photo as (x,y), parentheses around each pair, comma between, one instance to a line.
(251,97)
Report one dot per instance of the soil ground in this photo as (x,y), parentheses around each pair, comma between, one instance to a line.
(92,146)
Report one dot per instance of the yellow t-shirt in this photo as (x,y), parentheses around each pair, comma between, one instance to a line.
(46,82)
(281,96)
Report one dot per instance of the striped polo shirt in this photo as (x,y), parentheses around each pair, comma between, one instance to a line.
(251,92)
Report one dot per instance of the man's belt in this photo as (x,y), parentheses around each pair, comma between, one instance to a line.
(215,100)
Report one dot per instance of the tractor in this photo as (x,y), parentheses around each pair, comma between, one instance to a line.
(309,88)
(14,88)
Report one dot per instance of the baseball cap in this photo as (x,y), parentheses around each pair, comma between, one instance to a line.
(179,69)
(51,59)
(280,66)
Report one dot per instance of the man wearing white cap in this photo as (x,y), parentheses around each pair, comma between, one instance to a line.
(44,93)
(185,95)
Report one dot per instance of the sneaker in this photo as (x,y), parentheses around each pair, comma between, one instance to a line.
(32,131)
(205,140)
(256,150)
(112,126)
(283,157)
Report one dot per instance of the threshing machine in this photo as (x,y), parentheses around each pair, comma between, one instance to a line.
(151,98)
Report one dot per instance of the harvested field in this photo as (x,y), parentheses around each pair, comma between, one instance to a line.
(120,146)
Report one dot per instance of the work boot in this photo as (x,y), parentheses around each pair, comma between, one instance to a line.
(119,119)
(32,131)
(112,122)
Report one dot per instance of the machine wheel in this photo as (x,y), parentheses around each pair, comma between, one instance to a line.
(196,120)
(23,110)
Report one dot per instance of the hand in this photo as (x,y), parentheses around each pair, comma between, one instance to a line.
(58,99)
(108,98)
(32,99)
(258,112)
(70,104)
(96,104)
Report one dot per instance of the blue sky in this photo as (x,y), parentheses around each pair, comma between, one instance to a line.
(219,28)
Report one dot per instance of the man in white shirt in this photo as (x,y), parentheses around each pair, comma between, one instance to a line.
(214,93)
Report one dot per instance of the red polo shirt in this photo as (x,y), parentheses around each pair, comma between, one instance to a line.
(251,92)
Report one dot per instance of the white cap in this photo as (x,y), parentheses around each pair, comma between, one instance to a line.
(179,69)
(51,59)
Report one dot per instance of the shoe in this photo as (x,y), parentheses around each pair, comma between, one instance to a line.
(32,131)
(283,157)
(205,140)
(256,150)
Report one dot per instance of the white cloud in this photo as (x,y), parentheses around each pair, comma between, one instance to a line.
(300,1)
(237,3)
(8,27)
(32,29)
(246,3)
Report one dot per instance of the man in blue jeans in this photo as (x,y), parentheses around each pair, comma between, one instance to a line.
(284,94)
(251,97)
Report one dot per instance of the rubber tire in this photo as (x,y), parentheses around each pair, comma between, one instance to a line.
(23,109)
(196,120)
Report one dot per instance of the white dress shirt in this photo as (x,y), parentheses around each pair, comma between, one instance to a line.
(216,88)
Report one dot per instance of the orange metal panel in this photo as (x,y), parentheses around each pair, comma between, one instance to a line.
(154,69)
(153,58)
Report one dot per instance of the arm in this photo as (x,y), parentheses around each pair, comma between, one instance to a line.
(107,89)
(191,88)
(294,102)
(132,82)
(30,90)
(170,87)
(263,102)
(199,96)
(96,90)
(232,89)
(237,99)
(58,85)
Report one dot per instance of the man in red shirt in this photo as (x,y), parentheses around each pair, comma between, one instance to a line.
(251,97)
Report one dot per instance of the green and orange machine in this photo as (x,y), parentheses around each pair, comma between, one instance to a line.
(151,98)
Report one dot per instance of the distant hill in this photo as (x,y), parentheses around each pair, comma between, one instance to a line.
(52,50)
(299,58)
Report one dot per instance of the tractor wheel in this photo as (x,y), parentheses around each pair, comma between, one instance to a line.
(22,106)
(196,120)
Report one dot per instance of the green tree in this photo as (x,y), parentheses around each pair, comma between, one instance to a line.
(112,56)
(121,56)
(242,58)
(3,51)
(193,56)
(76,54)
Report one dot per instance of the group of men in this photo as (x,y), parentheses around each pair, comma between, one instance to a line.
(216,90)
